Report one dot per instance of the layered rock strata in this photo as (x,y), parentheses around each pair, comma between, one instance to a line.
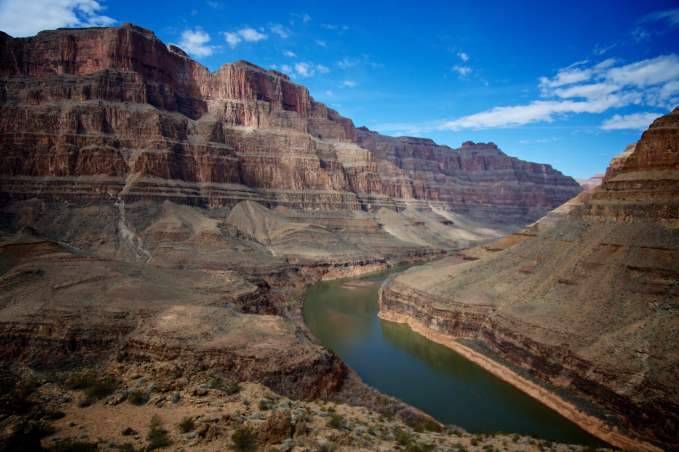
(584,301)
(100,113)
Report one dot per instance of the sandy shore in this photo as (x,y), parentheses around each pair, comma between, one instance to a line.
(589,423)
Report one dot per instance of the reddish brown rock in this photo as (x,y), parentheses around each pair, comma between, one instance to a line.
(117,102)
(584,301)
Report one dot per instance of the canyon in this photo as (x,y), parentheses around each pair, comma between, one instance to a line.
(156,212)
(582,304)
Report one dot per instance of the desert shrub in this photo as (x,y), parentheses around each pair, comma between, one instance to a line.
(157,437)
(228,387)
(327,447)
(419,447)
(421,425)
(74,445)
(101,387)
(244,440)
(186,425)
(26,436)
(403,438)
(264,404)
(137,397)
(336,421)
(80,379)
(92,386)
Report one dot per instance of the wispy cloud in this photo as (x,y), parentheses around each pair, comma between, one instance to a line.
(670,17)
(196,42)
(657,22)
(587,89)
(349,84)
(280,30)
(463,70)
(636,121)
(247,34)
(289,54)
(28,17)
(306,69)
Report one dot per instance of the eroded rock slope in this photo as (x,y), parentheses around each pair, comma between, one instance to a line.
(585,300)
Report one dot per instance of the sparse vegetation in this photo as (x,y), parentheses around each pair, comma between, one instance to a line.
(157,437)
(228,387)
(244,440)
(93,387)
(403,438)
(336,421)
(74,445)
(137,397)
(186,425)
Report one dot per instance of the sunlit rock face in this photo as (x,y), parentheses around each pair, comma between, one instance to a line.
(100,112)
(584,299)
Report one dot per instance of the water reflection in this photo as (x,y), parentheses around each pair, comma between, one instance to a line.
(397,361)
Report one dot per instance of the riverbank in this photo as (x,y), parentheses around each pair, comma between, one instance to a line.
(587,422)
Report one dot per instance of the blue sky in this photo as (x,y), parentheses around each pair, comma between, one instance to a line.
(565,83)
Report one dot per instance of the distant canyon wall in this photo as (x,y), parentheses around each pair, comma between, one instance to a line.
(99,113)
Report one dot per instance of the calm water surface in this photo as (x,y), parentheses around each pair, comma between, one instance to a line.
(393,359)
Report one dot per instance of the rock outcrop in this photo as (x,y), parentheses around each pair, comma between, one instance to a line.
(584,301)
(99,113)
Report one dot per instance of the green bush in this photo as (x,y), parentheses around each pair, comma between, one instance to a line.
(101,388)
(137,397)
(157,437)
(403,438)
(336,421)
(187,425)
(74,445)
(244,440)
(228,387)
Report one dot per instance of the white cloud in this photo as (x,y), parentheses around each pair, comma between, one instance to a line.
(462,71)
(347,62)
(196,42)
(286,68)
(583,88)
(247,34)
(637,121)
(251,35)
(647,72)
(349,84)
(28,17)
(539,110)
(306,18)
(304,69)
(321,43)
(289,54)
(232,39)
(670,16)
(280,30)
(463,56)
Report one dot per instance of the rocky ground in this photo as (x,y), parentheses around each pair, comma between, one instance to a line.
(582,302)
(150,406)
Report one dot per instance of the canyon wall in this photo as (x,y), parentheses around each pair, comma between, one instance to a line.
(584,301)
(99,113)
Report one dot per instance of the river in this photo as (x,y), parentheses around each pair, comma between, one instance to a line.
(395,360)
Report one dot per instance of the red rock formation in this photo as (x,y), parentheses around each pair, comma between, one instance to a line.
(101,112)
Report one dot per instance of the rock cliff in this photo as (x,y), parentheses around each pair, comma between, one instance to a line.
(103,112)
(582,302)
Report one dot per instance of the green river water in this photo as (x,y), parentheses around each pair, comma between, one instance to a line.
(395,360)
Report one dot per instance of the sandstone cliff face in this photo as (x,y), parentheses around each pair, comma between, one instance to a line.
(88,114)
(585,299)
